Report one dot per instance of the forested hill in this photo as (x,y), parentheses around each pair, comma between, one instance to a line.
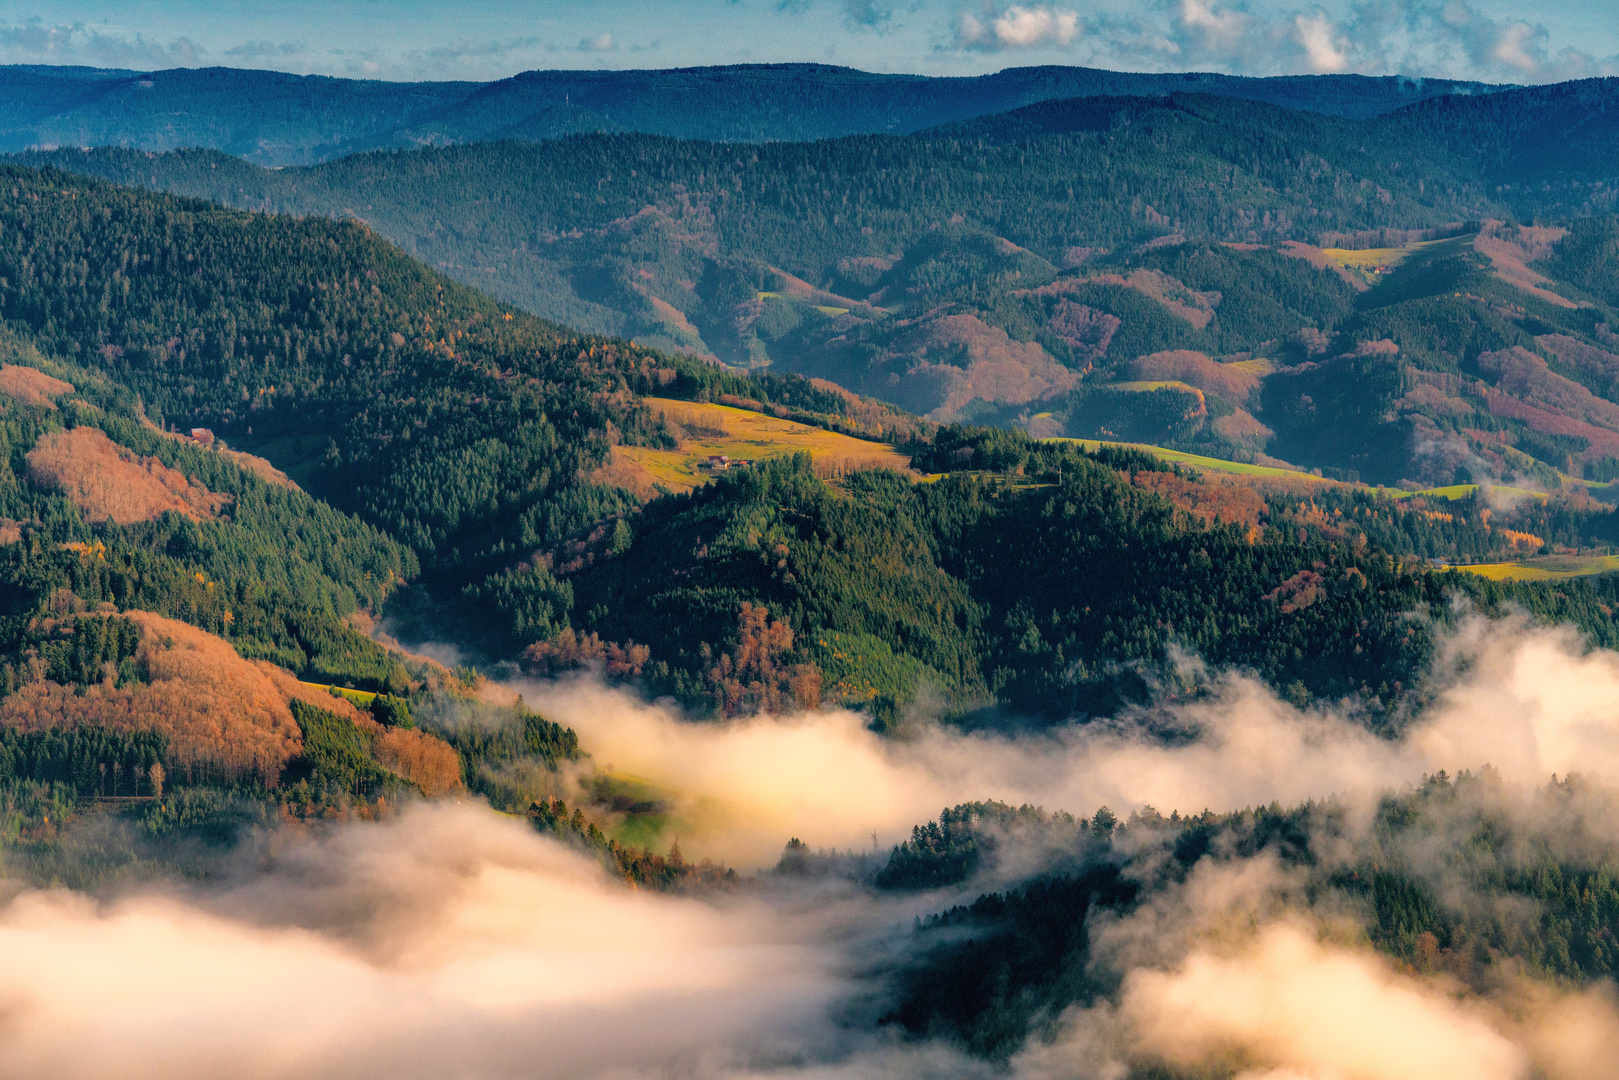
(277,119)
(459,426)
(503,451)
(1222,276)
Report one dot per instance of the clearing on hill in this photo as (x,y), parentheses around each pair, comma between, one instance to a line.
(1546,568)
(111,483)
(31,386)
(715,438)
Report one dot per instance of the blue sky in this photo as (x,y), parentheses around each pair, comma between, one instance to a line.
(1496,40)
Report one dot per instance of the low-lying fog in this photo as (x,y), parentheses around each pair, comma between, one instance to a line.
(451,941)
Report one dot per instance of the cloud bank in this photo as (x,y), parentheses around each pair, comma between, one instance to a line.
(1526,701)
(1448,38)
(451,940)
(447,942)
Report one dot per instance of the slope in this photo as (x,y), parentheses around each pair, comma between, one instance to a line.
(278,119)
(1015,268)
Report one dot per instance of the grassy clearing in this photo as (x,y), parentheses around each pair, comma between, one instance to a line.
(362,698)
(1198,461)
(749,436)
(1452,492)
(1366,261)
(1462,491)
(824,309)
(640,813)
(1548,568)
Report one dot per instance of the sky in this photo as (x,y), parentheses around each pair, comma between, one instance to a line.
(1519,41)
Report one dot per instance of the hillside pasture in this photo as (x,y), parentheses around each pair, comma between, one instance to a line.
(1549,568)
(1463,491)
(1198,461)
(707,430)
(1366,261)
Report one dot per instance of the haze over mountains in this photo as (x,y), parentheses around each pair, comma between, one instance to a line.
(1018,268)
(273,119)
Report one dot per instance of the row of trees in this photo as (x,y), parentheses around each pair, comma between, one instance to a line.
(1457,876)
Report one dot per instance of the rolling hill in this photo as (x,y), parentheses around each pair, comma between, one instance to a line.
(276,119)
(1182,271)
(511,469)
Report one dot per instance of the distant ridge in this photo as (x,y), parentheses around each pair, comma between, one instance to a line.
(273,118)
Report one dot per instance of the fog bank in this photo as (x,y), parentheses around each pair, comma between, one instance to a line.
(449,941)
(1528,701)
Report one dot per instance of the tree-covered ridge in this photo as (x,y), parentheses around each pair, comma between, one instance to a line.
(275,574)
(1457,877)
(1015,268)
(470,440)
(278,119)
(560,223)
(457,425)
(1036,578)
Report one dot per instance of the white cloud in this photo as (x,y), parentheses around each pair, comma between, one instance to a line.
(602,42)
(1322,43)
(34,42)
(1017,27)
(1444,38)
(1529,702)
(1216,29)
(448,942)
(1293,1005)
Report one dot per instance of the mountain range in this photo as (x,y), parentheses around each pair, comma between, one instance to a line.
(1180,270)
(1186,449)
(275,119)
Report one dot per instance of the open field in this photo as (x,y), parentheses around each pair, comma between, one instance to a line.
(1549,568)
(1462,491)
(1366,261)
(1199,462)
(1451,492)
(824,309)
(707,430)
(362,698)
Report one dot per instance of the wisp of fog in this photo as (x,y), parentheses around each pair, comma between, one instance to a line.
(1528,701)
(454,941)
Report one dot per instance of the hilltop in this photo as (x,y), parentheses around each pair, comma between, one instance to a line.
(276,119)
(1185,271)
(539,491)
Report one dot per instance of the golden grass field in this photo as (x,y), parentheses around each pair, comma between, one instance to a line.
(1462,491)
(1198,461)
(361,698)
(1367,260)
(1549,568)
(1257,366)
(740,434)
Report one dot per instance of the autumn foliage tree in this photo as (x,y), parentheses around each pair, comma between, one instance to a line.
(756,674)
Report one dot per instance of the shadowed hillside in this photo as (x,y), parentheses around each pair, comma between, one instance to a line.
(273,118)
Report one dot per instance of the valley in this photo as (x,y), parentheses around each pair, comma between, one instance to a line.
(781,571)
(993,271)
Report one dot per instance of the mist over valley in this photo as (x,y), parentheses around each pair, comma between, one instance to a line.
(780,571)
